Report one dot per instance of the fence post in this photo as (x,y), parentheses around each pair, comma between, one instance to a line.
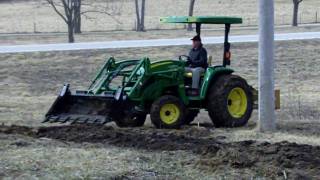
(316,16)
(34,27)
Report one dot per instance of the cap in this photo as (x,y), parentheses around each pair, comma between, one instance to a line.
(196,38)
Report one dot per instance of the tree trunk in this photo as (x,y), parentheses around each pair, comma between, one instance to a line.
(295,12)
(143,7)
(137,15)
(70,32)
(77,17)
(140,14)
(191,7)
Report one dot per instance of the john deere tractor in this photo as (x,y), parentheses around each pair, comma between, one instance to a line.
(127,91)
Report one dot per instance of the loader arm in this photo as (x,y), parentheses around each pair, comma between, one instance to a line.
(101,103)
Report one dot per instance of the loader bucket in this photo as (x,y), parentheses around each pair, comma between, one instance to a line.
(83,108)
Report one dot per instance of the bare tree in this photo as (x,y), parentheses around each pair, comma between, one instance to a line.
(191,7)
(296,4)
(70,11)
(67,15)
(140,13)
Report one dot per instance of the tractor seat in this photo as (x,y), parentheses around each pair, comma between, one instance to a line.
(189,74)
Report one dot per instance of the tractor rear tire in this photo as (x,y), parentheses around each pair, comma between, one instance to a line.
(190,116)
(131,119)
(168,112)
(230,101)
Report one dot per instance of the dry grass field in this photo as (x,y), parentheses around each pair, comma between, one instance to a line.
(45,38)
(37,16)
(29,83)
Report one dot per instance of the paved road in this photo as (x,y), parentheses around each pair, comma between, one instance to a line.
(148,43)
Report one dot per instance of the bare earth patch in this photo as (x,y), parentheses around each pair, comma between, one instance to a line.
(254,158)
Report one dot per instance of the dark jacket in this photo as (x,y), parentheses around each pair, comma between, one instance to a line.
(198,57)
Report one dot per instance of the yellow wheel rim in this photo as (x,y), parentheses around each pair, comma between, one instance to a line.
(169,113)
(237,102)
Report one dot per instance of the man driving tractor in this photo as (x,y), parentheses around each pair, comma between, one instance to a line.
(197,63)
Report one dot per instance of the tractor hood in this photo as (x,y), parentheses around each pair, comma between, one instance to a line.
(165,65)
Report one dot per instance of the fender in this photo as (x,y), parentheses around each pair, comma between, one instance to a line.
(210,76)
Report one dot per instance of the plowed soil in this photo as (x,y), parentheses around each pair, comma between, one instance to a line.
(276,160)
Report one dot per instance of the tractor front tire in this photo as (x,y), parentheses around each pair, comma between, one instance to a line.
(131,119)
(167,112)
(230,101)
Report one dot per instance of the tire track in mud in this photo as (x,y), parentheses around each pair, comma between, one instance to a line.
(272,160)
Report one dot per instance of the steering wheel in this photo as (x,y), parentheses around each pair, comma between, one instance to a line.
(184,58)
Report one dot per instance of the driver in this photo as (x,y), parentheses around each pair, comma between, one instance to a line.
(197,63)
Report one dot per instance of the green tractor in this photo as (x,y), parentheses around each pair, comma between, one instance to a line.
(127,91)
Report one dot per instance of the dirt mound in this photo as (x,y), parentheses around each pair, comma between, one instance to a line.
(271,160)
(23,130)
(145,138)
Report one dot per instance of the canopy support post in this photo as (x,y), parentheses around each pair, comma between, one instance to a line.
(226,51)
(198,28)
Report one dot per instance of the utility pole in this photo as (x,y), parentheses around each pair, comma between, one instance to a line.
(266,66)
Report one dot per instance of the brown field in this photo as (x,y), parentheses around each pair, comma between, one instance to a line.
(29,83)
(38,16)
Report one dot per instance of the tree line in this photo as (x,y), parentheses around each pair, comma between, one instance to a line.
(71,12)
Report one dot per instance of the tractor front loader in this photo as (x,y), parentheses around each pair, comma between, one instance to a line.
(106,98)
